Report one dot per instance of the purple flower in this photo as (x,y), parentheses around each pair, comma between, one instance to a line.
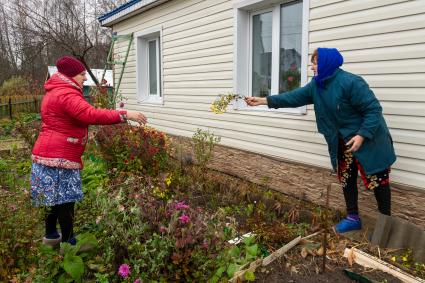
(137,281)
(124,270)
(181,205)
(121,104)
(184,219)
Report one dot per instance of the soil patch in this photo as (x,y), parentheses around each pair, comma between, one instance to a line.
(309,271)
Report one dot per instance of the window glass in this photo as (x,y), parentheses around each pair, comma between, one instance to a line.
(261,54)
(290,46)
(153,78)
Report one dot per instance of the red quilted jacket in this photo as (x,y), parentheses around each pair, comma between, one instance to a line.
(65,116)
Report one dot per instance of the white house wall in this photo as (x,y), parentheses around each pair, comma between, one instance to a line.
(381,40)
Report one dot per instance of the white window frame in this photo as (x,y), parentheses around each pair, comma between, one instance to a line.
(142,66)
(244,10)
(158,71)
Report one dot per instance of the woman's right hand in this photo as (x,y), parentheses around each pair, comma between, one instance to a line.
(254,101)
(136,117)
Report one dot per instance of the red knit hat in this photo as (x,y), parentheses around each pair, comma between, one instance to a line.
(69,66)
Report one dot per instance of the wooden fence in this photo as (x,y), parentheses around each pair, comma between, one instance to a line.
(12,105)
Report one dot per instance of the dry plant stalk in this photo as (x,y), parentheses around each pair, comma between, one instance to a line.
(325,229)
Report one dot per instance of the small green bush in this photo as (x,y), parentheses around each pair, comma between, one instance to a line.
(17,86)
(203,145)
(28,127)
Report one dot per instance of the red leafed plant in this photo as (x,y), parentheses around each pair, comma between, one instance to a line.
(133,149)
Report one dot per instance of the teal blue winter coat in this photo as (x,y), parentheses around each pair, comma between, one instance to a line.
(345,106)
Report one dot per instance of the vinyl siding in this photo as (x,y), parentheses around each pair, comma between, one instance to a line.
(381,40)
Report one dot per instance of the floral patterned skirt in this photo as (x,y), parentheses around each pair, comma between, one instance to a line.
(52,186)
(347,163)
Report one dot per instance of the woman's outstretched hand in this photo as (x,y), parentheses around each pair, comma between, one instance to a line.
(254,101)
(355,143)
(137,117)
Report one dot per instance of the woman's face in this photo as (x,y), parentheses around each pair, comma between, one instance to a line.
(80,78)
(314,65)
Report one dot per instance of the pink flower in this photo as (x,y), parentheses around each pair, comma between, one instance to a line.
(184,219)
(181,205)
(124,270)
(137,281)
(205,245)
(121,104)
(290,79)
(162,229)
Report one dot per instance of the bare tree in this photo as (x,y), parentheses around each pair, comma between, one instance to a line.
(58,23)
(7,56)
(34,33)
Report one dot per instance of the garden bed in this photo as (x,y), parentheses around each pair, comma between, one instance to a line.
(148,216)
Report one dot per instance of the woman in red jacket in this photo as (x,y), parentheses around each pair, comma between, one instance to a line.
(56,156)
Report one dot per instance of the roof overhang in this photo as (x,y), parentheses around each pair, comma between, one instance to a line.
(128,10)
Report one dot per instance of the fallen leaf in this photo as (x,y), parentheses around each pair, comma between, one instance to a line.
(288,265)
(304,252)
(320,251)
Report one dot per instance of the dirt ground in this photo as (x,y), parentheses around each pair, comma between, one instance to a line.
(298,267)
(309,271)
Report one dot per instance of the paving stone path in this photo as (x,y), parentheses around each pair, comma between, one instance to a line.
(9,144)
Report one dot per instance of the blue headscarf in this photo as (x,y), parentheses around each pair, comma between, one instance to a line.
(328,60)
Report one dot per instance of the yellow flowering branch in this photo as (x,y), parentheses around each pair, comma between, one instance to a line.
(219,106)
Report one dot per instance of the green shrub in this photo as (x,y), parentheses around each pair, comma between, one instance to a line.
(17,86)
(28,127)
(20,223)
(6,128)
(203,146)
(163,240)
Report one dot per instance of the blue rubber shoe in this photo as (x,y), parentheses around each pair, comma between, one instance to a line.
(73,241)
(347,225)
(84,248)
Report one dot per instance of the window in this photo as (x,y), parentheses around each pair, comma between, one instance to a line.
(276,59)
(149,67)
(153,62)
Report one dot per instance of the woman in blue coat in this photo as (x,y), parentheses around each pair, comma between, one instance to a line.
(350,118)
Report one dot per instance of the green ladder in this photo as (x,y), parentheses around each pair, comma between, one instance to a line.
(111,62)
